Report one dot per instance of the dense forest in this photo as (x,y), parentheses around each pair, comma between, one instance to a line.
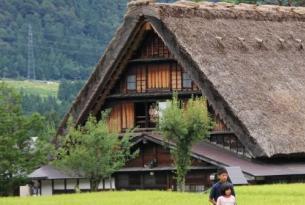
(68,36)
(52,107)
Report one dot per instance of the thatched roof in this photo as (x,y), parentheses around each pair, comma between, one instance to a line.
(248,60)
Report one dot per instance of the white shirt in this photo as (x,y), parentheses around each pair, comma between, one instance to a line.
(226,200)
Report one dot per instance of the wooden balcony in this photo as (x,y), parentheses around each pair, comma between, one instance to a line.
(159,93)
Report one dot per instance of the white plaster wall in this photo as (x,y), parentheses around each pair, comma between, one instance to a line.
(71,184)
(107,184)
(84,184)
(46,187)
(59,184)
(24,190)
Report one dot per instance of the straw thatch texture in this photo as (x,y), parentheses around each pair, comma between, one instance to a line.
(248,60)
(255,60)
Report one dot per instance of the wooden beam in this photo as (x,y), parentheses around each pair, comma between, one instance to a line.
(40,187)
(151,60)
(52,181)
(65,185)
(157,93)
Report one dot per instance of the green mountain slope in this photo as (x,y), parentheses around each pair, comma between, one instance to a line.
(68,35)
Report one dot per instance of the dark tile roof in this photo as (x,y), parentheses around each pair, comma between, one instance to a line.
(49,172)
(221,157)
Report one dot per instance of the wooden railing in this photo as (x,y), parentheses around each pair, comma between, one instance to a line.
(229,141)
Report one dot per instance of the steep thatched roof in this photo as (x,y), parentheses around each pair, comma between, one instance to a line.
(248,60)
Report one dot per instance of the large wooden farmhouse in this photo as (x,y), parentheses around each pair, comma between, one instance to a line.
(247,60)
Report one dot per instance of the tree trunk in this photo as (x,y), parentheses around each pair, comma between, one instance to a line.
(181,184)
(110,181)
(94,183)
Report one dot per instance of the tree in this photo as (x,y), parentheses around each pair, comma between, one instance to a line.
(184,125)
(22,145)
(92,151)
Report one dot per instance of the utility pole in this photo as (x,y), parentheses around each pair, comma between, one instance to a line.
(31,59)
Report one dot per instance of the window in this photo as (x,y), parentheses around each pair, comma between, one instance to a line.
(131,82)
(161,106)
(187,81)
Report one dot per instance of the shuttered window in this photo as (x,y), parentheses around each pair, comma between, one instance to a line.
(158,76)
(121,117)
(186,80)
(131,82)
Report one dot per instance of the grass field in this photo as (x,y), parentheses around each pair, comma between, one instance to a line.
(42,88)
(292,194)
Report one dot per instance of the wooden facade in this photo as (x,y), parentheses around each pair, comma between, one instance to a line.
(151,71)
(153,169)
(150,78)
(141,68)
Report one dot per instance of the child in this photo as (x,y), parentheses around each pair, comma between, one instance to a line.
(226,197)
(222,175)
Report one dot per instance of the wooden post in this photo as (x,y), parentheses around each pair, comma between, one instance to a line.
(167,181)
(40,187)
(142,181)
(52,181)
(147,121)
(65,185)
(110,181)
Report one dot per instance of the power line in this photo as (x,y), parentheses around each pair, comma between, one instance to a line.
(31,58)
(44,33)
(60,43)
(59,49)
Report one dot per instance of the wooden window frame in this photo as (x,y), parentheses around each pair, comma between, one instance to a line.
(183,73)
(134,89)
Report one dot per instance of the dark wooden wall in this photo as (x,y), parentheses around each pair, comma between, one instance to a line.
(154,69)
(151,151)
(145,177)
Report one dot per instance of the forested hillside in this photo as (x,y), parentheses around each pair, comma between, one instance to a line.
(69,36)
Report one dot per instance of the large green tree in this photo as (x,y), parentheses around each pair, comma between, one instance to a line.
(23,142)
(184,125)
(92,151)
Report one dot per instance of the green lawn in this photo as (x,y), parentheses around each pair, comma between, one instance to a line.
(292,194)
(42,88)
